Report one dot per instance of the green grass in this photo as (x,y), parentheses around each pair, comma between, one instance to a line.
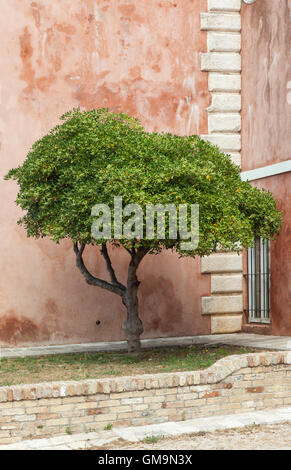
(80,366)
(152,439)
(108,427)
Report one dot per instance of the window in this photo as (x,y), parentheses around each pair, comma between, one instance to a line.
(258,278)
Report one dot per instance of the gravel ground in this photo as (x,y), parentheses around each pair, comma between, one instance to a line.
(272,437)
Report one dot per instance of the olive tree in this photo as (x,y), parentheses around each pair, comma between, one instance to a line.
(94,157)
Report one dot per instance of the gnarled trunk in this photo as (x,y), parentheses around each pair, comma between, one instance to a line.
(133,324)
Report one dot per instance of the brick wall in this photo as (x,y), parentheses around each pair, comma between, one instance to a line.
(232,385)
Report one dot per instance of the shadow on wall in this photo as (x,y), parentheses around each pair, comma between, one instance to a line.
(160,308)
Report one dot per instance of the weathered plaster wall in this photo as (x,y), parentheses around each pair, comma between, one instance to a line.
(139,57)
(266,130)
(266,72)
(280,256)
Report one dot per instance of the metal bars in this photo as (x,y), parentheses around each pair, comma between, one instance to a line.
(258,281)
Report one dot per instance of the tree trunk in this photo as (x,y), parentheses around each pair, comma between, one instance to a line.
(133,324)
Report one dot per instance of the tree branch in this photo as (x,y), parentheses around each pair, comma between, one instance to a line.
(127,249)
(140,254)
(110,267)
(90,279)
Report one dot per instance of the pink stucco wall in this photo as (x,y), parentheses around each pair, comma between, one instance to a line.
(138,57)
(266,72)
(266,129)
(280,256)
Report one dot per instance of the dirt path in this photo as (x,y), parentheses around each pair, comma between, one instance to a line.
(252,438)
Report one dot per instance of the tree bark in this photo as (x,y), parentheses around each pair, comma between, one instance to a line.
(133,325)
(115,287)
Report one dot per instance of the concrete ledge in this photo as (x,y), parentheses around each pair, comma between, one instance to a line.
(274,343)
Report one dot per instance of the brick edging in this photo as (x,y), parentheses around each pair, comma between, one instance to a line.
(214,374)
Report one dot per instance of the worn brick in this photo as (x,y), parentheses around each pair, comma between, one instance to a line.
(131,401)
(58,421)
(255,389)
(96,411)
(215,393)
(115,396)
(107,403)
(155,399)
(44,416)
(66,400)
(11,411)
(24,417)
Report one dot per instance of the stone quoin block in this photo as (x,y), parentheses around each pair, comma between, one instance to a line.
(220,22)
(222,304)
(220,82)
(223,42)
(219,263)
(220,122)
(226,283)
(236,158)
(226,324)
(224,5)
(220,62)
(225,102)
(226,142)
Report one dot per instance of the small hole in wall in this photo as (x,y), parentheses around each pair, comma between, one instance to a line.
(98,322)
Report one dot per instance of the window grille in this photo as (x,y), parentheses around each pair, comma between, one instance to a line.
(258,281)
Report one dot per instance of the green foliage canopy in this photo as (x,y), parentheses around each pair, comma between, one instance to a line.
(96,155)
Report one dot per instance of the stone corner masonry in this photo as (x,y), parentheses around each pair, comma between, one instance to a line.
(222,62)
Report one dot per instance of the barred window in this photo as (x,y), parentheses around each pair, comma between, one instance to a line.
(258,277)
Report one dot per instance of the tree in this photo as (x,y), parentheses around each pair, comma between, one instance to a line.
(95,156)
